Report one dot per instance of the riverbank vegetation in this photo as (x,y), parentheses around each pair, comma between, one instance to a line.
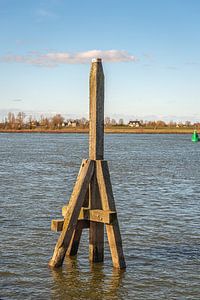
(57,124)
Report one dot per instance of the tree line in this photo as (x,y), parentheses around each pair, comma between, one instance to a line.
(20,121)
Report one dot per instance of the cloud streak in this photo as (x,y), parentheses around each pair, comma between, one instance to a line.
(53,59)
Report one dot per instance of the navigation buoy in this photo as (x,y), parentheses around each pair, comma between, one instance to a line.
(195,137)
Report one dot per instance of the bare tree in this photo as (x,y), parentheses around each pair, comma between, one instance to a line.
(56,121)
(113,122)
(107,121)
(172,124)
(20,120)
(160,124)
(11,120)
(83,121)
(187,123)
(44,122)
(151,124)
(121,122)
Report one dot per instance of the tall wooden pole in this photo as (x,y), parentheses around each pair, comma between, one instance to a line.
(96,152)
(96,135)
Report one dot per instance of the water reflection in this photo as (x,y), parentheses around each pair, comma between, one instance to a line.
(74,282)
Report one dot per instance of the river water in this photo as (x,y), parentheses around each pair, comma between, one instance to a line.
(157,193)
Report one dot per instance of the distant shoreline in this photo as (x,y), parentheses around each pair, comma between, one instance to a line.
(107,130)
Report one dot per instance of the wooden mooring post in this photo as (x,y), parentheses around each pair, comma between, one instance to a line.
(92,202)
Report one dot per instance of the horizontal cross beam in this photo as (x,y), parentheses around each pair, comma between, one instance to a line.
(57,225)
(95,215)
(86,214)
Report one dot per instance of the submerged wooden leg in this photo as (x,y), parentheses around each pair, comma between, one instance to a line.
(71,217)
(107,198)
(115,243)
(96,233)
(76,237)
(96,240)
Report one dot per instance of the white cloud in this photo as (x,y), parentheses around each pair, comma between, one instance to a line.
(53,59)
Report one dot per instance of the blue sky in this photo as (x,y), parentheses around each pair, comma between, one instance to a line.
(150,50)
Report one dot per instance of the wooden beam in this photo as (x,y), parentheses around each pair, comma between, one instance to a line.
(74,207)
(96,151)
(93,215)
(108,203)
(102,216)
(96,130)
(57,225)
(75,240)
(96,232)
(81,224)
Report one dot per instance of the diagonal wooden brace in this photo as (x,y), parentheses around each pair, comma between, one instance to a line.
(76,237)
(108,203)
(74,207)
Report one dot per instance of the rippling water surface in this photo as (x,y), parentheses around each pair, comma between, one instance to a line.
(157,192)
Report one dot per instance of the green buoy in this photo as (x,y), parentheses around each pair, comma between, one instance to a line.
(195,137)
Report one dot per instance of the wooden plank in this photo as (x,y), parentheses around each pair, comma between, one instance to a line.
(102,216)
(105,186)
(96,151)
(74,207)
(108,203)
(96,232)
(64,210)
(75,240)
(95,215)
(86,201)
(96,130)
(57,225)
(84,212)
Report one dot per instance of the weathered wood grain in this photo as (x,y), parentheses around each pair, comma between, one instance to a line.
(76,237)
(108,203)
(96,231)
(96,126)
(95,215)
(96,151)
(57,225)
(74,207)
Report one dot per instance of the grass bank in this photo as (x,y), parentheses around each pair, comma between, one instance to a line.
(113,130)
